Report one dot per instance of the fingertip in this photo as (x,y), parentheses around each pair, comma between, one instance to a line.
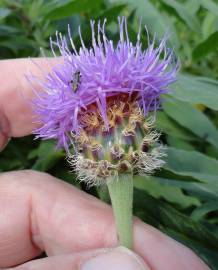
(16,92)
(163,252)
(117,259)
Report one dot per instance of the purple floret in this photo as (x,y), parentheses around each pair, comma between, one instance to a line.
(91,75)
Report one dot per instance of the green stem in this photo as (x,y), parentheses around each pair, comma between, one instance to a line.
(121,194)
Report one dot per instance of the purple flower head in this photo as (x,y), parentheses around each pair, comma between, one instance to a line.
(92,75)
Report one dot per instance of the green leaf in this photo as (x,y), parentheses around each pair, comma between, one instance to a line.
(47,156)
(6,30)
(168,126)
(20,44)
(192,5)
(207,46)
(196,90)
(155,21)
(199,190)
(193,164)
(179,226)
(209,25)
(210,5)
(170,193)
(4,12)
(203,210)
(184,14)
(179,143)
(191,118)
(111,13)
(73,7)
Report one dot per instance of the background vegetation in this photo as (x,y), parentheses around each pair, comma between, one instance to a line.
(182,199)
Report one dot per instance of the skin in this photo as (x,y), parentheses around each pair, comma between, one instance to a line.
(41,213)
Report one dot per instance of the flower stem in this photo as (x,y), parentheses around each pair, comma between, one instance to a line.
(121,194)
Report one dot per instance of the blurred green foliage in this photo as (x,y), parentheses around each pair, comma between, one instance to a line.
(182,199)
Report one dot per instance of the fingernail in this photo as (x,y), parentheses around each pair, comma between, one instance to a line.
(4,131)
(117,259)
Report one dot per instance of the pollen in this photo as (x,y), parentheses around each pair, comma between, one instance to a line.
(90,120)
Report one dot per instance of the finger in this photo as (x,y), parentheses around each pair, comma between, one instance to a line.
(116,259)
(38,212)
(16,92)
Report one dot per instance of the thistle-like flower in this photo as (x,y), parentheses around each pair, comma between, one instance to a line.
(98,101)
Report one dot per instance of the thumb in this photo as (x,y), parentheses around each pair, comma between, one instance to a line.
(117,259)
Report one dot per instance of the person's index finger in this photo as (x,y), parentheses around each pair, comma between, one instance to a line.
(16,92)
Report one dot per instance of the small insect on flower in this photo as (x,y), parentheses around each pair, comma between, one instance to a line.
(75,81)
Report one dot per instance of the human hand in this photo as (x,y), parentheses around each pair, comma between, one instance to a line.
(40,213)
